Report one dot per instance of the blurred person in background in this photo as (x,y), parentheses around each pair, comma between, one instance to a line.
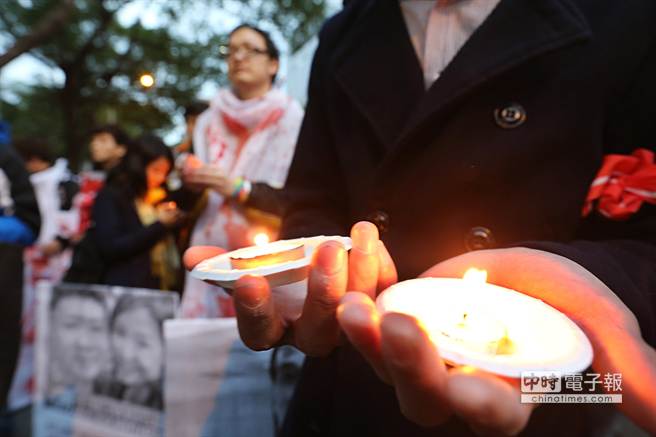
(134,222)
(47,259)
(55,187)
(20,223)
(243,147)
(108,144)
(191,113)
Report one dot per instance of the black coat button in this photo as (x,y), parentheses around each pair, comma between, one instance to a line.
(479,238)
(381,219)
(510,116)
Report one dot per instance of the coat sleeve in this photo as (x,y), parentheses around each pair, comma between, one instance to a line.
(22,193)
(266,198)
(114,239)
(622,253)
(315,195)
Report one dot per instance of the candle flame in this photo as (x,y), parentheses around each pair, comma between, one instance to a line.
(260,239)
(475,276)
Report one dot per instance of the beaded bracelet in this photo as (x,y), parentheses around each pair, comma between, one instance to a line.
(244,192)
(237,186)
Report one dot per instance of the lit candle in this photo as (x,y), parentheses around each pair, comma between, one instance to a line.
(266,254)
(261,238)
(490,327)
(281,262)
(285,265)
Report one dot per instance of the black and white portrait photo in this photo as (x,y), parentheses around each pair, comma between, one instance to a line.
(100,360)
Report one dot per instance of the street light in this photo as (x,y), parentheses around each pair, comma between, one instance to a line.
(147,80)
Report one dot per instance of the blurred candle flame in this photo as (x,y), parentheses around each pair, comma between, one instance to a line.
(475,276)
(261,238)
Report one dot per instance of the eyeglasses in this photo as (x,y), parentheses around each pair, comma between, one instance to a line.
(246,52)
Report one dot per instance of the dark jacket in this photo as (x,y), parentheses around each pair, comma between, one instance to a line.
(500,151)
(24,205)
(25,208)
(124,242)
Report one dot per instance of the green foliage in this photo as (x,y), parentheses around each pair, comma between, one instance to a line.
(101,60)
(37,114)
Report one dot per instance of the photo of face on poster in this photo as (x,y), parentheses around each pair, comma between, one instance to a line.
(137,347)
(79,344)
(100,360)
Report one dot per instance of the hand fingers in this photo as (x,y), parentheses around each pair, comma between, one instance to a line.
(360,321)
(196,178)
(387,275)
(489,404)
(317,331)
(416,369)
(363,259)
(260,327)
(207,171)
(196,254)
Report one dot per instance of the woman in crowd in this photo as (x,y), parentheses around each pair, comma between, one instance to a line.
(134,225)
(244,144)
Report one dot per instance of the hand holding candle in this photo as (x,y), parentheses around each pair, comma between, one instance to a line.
(209,176)
(169,214)
(367,267)
(402,353)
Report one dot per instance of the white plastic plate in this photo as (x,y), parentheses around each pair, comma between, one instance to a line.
(544,338)
(219,271)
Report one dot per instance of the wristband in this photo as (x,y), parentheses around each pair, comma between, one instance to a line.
(237,186)
(244,192)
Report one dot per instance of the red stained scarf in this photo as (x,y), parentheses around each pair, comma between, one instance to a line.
(622,185)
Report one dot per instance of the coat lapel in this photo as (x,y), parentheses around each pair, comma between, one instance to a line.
(516,31)
(379,70)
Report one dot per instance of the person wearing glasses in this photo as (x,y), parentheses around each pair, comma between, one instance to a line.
(243,147)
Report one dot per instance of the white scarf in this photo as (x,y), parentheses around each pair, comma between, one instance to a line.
(254,139)
(271,124)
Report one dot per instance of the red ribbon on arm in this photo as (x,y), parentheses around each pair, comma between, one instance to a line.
(622,185)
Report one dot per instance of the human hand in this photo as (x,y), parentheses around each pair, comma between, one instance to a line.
(186,164)
(196,254)
(238,235)
(368,267)
(52,248)
(208,176)
(429,393)
(169,214)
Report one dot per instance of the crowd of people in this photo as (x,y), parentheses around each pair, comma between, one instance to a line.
(127,221)
(512,136)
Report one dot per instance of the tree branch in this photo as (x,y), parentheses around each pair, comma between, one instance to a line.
(48,25)
(107,77)
(47,61)
(105,19)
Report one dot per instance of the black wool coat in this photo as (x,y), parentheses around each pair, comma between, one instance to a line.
(499,152)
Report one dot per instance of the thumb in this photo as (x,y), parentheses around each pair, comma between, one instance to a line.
(196,254)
